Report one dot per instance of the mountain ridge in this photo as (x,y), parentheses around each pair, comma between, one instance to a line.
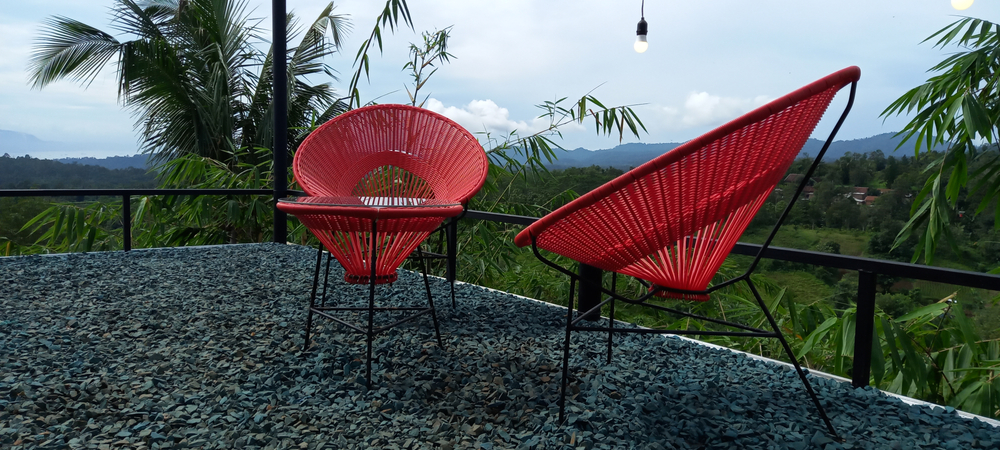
(634,154)
(16,143)
(624,156)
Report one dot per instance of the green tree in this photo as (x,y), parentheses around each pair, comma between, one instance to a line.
(891,171)
(957,106)
(193,73)
(881,243)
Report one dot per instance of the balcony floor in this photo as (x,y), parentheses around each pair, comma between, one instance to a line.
(201,348)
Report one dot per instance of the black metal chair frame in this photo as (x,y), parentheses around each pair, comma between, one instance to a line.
(747,331)
(447,238)
(370,331)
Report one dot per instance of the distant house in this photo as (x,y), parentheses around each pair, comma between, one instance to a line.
(870,200)
(859,193)
(793,178)
(796,178)
(808,192)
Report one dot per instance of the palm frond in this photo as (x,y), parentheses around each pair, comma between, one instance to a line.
(69,48)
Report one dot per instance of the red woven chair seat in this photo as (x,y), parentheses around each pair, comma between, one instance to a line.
(345,230)
(421,167)
(673,220)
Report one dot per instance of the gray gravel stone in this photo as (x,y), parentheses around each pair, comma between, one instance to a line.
(202,348)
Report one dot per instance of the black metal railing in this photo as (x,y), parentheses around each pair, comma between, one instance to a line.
(126,196)
(868,272)
(868,269)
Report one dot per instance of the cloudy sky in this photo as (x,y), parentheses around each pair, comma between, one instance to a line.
(708,61)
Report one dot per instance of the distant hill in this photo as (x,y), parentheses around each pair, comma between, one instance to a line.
(887,142)
(111,162)
(26,172)
(626,156)
(621,157)
(9,140)
(15,143)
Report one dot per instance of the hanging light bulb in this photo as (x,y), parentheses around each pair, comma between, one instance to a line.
(640,37)
(640,32)
(961,4)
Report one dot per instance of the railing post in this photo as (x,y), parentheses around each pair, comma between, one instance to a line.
(127,221)
(590,289)
(279,72)
(865,328)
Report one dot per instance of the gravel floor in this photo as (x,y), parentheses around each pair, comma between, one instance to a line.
(201,348)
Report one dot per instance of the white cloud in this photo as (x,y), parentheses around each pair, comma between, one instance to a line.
(486,115)
(704,109)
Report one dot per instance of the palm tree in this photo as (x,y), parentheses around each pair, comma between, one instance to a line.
(193,75)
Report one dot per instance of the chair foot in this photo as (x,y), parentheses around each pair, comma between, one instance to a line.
(368,366)
(430,298)
(795,361)
(434,318)
(565,374)
(312,298)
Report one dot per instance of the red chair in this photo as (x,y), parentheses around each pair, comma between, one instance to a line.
(672,221)
(380,179)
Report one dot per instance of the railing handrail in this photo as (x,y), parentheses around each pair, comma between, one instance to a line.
(836,261)
(117,192)
(127,193)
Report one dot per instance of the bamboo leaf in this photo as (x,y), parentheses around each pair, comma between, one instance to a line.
(923,313)
(915,369)
(817,334)
(878,360)
(91,235)
(976,119)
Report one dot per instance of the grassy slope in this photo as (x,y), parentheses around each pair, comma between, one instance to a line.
(851,242)
(804,287)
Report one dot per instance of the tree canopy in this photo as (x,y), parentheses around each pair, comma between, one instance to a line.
(957,106)
(193,74)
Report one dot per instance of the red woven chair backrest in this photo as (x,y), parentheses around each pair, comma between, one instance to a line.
(673,220)
(391,151)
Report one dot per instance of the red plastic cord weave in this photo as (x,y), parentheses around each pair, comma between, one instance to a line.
(391,151)
(673,220)
(384,151)
(349,239)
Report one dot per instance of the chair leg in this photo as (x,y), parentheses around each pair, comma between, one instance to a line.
(611,314)
(371,327)
(565,374)
(371,306)
(326,279)
(312,298)
(795,361)
(430,298)
(451,234)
